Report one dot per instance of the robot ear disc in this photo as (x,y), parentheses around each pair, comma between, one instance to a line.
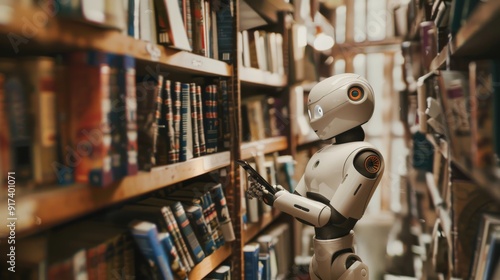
(355,93)
(372,164)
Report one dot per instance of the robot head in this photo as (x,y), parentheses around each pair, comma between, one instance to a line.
(340,103)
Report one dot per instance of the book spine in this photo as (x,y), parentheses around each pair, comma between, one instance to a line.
(198,19)
(133,19)
(149,244)
(225,31)
(210,119)
(175,261)
(195,216)
(251,261)
(177,120)
(185,141)
(90,113)
(17,112)
(158,124)
(188,233)
(162,141)
(215,220)
(169,117)
(222,212)
(194,121)
(130,115)
(189,21)
(199,119)
(173,228)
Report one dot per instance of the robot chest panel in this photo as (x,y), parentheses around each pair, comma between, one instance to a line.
(324,171)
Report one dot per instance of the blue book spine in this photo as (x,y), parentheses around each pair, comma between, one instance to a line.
(173,255)
(265,260)
(187,232)
(222,212)
(225,30)
(251,261)
(184,104)
(195,216)
(146,236)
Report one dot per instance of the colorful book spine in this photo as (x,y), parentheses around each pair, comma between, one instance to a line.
(195,216)
(199,119)
(179,242)
(159,125)
(130,115)
(198,14)
(194,121)
(226,225)
(210,125)
(146,236)
(173,255)
(177,119)
(162,134)
(189,21)
(187,232)
(169,122)
(89,75)
(185,141)
(225,30)
(251,261)
(214,220)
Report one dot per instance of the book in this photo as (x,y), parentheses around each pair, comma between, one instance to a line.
(80,10)
(223,115)
(176,265)
(199,25)
(147,95)
(128,74)
(186,132)
(194,120)
(251,261)
(89,113)
(265,260)
(188,232)
(488,225)
(481,113)
(255,118)
(40,90)
(200,227)
(147,24)
(177,120)
(146,235)
(267,246)
(223,215)
(223,272)
(169,18)
(225,31)
(133,19)
(493,256)
(168,114)
(199,120)
(210,120)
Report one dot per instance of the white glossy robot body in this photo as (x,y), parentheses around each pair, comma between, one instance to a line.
(339,180)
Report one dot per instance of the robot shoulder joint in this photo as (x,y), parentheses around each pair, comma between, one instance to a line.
(369,163)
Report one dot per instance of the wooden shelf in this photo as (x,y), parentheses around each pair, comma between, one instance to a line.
(47,208)
(440,61)
(388,44)
(253,76)
(488,179)
(478,37)
(269,145)
(211,262)
(254,229)
(433,190)
(59,35)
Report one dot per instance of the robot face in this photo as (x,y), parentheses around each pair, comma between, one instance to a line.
(340,103)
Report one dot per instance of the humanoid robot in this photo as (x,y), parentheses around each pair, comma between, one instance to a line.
(339,180)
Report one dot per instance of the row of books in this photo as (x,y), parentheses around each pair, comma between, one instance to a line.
(91,119)
(263,117)
(270,255)
(201,26)
(152,238)
(179,120)
(277,170)
(262,50)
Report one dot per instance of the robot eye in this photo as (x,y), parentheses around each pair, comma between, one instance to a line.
(318,112)
(355,93)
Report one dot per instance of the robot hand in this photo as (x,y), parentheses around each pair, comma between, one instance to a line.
(256,190)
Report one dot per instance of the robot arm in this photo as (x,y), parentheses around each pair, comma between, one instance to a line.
(315,213)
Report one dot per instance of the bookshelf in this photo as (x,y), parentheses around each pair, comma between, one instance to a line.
(45,208)
(468,184)
(58,205)
(254,229)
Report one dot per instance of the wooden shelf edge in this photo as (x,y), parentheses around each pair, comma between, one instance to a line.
(433,190)
(61,34)
(211,262)
(481,23)
(253,76)
(254,229)
(265,146)
(45,209)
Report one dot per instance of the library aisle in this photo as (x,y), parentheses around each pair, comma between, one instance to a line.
(122,123)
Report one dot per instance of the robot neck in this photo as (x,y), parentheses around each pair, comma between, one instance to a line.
(352,135)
